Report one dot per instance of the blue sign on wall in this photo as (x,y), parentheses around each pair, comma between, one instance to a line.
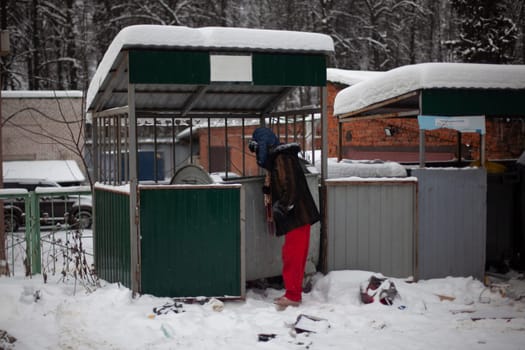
(462,124)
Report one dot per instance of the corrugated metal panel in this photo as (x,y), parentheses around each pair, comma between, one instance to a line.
(111,236)
(452,222)
(502,206)
(263,251)
(289,69)
(149,96)
(372,226)
(169,67)
(191,242)
(463,102)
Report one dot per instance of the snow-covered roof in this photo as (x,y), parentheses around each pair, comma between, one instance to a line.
(207,37)
(405,79)
(60,171)
(349,77)
(41,94)
(363,169)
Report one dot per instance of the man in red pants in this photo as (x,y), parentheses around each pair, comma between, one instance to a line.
(293,207)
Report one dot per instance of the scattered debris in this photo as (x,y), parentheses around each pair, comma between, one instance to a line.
(381,289)
(310,324)
(6,341)
(266,336)
(169,307)
(377,324)
(167,330)
(30,295)
(477,315)
(510,285)
(215,304)
(443,297)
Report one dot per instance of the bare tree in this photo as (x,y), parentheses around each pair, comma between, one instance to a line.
(4,266)
(486,34)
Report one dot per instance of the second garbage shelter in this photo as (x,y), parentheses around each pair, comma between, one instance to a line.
(454,204)
(185,240)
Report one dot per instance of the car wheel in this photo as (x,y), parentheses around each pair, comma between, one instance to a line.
(11,222)
(82,219)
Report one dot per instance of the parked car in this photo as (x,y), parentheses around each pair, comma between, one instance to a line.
(71,209)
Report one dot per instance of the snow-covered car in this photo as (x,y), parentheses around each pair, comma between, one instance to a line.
(72,209)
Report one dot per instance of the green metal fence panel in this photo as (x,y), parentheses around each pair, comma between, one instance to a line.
(111,236)
(191,241)
(31,216)
(33,227)
(22,195)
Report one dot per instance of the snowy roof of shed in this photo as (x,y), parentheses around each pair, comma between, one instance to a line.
(349,77)
(225,39)
(401,81)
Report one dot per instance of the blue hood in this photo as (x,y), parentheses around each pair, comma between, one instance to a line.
(265,139)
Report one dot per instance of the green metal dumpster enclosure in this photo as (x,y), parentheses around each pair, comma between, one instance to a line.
(195,235)
(187,240)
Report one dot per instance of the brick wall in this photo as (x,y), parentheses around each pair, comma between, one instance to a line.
(236,145)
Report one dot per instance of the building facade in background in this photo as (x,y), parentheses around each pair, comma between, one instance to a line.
(42,125)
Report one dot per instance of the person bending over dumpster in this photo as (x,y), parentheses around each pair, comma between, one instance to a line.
(293,207)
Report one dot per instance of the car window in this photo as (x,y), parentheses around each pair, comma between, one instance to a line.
(46,185)
(29,187)
(11,185)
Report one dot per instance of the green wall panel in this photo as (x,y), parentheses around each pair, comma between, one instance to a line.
(190,242)
(473,102)
(112,248)
(169,67)
(289,69)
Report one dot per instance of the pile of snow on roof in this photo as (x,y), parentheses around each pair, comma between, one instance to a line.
(349,77)
(405,79)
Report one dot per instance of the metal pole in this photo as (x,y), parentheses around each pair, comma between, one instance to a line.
(226,153)
(209,145)
(95,148)
(458,150)
(34,227)
(482,150)
(173,156)
(421,148)
(133,187)
(243,147)
(191,140)
(339,140)
(118,172)
(324,133)
(155,150)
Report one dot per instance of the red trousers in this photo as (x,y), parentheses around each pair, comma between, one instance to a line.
(294,254)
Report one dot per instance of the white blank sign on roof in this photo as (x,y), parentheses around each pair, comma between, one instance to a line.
(231,68)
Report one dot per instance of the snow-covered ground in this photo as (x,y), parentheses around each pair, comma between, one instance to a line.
(448,313)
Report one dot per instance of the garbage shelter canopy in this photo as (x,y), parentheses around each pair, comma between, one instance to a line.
(207,70)
(447,89)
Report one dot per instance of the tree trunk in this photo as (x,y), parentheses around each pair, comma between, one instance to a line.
(4,267)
